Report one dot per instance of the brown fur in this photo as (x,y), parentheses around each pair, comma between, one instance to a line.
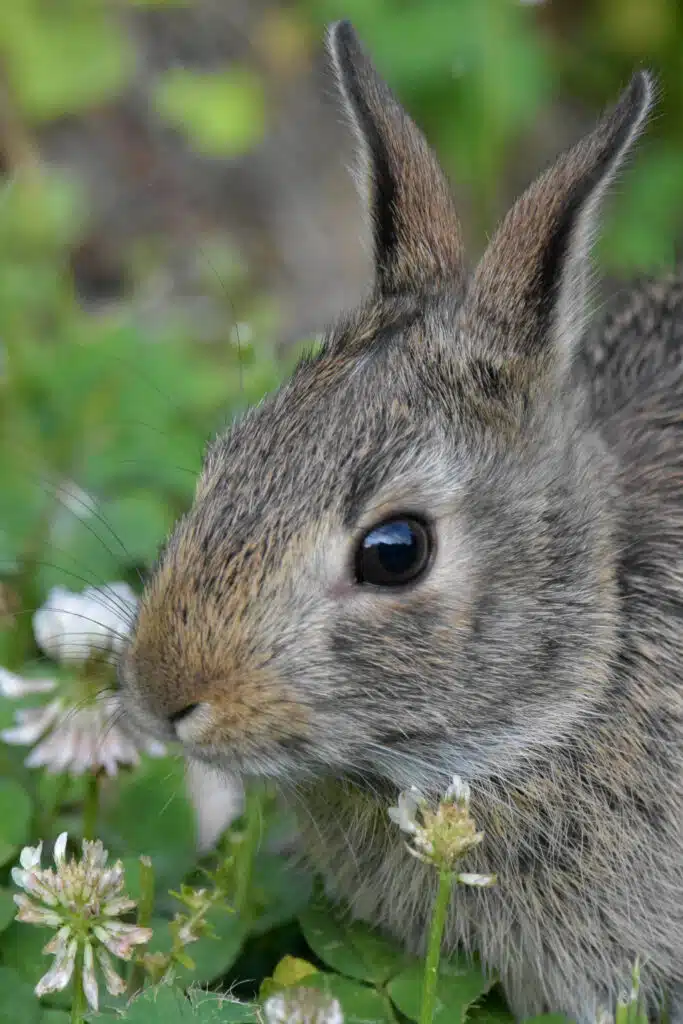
(540,657)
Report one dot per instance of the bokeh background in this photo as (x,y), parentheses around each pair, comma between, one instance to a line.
(176,219)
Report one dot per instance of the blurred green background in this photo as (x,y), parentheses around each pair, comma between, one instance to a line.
(176,217)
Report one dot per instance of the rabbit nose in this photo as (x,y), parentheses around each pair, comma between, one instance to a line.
(178,716)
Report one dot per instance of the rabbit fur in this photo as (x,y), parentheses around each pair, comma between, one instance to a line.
(541,655)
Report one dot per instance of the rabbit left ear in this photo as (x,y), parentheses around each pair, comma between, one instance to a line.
(416,235)
(529,288)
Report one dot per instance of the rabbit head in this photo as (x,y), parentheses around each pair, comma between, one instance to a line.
(401,565)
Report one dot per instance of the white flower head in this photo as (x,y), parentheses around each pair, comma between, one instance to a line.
(69,734)
(440,837)
(78,739)
(302,1006)
(82,899)
(458,792)
(70,627)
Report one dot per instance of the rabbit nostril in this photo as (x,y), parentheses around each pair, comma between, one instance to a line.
(178,716)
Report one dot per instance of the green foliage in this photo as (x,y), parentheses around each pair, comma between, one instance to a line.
(222,114)
(65,57)
(166,1005)
(15,820)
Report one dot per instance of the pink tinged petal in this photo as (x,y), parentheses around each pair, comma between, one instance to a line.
(59,942)
(120,938)
(118,906)
(116,986)
(12,685)
(89,979)
(32,882)
(59,975)
(31,913)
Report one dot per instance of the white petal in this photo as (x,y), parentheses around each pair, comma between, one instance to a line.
(116,986)
(59,975)
(89,979)
(31,913)
(29,857)
(458,792)
(217,800)
(60,848)
(12,685)
(58,943)
(466,878)
(276,1009)
(32,723)
(404,815)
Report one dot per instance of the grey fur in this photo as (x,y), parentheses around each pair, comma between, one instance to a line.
(541,656)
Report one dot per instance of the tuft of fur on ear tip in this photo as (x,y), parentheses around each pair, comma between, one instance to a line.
(416,235)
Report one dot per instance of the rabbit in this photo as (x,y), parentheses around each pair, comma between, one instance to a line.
(452,543)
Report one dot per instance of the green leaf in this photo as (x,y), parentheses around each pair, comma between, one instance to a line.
(21,948)
(153,817)
(168,1005)
(8,908)
(15,818)
(354,949)
(460,984)
(360,1004)
(492,1009)
(548,1018)
(62,59)
(55,1017)
(222,114)
(291,970)
(17,999)
(212,955)
(280,891)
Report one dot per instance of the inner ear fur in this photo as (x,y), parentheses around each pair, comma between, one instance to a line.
(416,235)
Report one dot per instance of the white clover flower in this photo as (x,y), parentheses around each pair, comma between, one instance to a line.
(78,731)
(78,739)
(440,837)
(70,627)
(83,899)
(302,1006)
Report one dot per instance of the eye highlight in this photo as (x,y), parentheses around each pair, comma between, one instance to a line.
(394,552)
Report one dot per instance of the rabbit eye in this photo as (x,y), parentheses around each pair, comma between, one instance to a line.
(394,552)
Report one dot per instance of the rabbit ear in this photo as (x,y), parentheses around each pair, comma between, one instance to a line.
(529,288)
(415,230)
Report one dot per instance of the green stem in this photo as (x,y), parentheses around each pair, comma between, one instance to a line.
(91,805)
(145,911)
(431,974)
(246,851)
(78,1005)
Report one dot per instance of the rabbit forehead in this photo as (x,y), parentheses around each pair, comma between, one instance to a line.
(346,420)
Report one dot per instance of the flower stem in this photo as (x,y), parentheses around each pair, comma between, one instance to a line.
(145,911)
(246,851)
(434,949)
(91,805)
(78,1004)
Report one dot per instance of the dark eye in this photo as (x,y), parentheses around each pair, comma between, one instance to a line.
(393,553)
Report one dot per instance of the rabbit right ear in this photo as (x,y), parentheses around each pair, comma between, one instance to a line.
(416,235)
